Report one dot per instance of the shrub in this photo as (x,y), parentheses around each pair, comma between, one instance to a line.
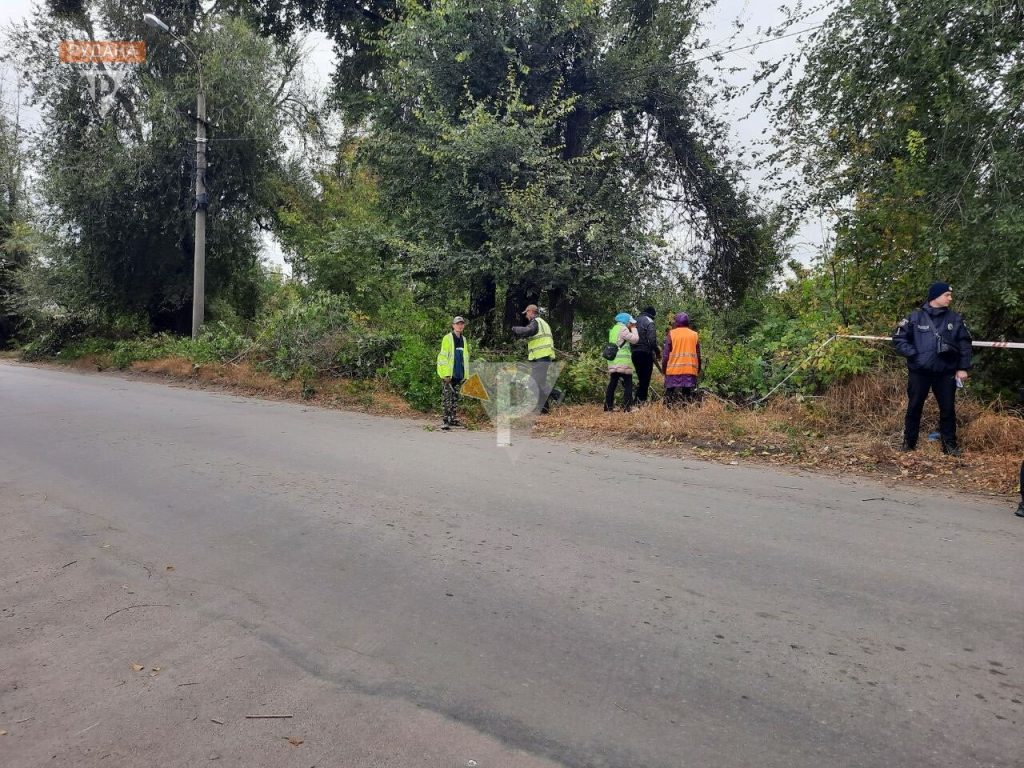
(306,333)
(54,335)
(219,342)
(412,370)
(736,373)
(584,378)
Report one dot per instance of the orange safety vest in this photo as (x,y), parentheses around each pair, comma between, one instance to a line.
(682,360)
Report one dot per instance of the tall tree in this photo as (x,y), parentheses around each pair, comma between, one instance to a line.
(907,120)
(118,184)
(525,147)
(14,250)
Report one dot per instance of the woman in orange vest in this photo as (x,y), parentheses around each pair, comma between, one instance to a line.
(681,362)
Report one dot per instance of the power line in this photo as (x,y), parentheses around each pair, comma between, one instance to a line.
(759,42)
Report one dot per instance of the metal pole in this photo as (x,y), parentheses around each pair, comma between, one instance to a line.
(199,263)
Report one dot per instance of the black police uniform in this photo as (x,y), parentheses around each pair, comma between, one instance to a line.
(937,344)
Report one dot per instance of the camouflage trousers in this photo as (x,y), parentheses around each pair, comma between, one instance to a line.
(450,399)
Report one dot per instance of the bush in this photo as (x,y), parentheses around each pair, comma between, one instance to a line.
(737,373)
(218,343)
(305,335)
(412,370)
(584,378)
(322,335)
(53,336)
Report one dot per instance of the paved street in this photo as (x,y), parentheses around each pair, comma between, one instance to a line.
(419,598)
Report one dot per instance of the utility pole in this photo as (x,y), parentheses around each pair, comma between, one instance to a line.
(202,198)
(201,202)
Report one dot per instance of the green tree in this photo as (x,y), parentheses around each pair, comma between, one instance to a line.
(15,233)
(906,119)
(118,185)
(526,148)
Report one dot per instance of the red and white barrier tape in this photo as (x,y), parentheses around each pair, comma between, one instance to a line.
(993,344)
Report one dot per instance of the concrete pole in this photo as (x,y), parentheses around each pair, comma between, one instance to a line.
(199,263)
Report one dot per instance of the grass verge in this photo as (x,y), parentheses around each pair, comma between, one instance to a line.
(853,429)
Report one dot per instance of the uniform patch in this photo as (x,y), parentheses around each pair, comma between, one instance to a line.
(904,321)
(949,326)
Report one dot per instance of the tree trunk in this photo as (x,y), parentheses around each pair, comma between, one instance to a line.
(483,300)
(516,299)
(562,311)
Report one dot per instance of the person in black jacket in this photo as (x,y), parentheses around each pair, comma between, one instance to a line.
(937,344)
(646,353)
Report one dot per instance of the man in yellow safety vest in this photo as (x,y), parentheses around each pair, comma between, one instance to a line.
(540,351)
(452,369)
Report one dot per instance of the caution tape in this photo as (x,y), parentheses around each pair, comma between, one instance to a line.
(992,344)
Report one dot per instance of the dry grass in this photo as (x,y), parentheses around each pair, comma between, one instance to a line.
(854,428)
(176,367)
(995,432)
(366,396)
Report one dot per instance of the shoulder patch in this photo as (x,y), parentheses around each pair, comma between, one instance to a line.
(904,321)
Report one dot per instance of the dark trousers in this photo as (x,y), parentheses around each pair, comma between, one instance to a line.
(643,362)
(1022,482)
(627,391)
(539,373)
(919,384)
(676,395)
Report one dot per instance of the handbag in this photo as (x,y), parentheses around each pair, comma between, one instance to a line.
(609,350)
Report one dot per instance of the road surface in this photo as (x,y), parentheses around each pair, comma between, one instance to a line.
(419,598)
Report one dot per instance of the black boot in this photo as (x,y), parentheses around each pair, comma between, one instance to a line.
(908,444)
(950,448)
(1020,509)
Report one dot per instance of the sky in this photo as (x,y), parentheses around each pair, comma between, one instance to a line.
(748,126)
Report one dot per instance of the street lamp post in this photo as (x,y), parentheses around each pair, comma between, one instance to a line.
(201,200)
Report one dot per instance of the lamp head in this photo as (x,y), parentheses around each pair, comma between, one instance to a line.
(154,21)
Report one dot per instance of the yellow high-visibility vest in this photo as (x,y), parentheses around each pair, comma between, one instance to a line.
(541,345)
(446,357)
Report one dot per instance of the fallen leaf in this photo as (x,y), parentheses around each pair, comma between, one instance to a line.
(138,667)
(155,669)
(170,567)
(294,741)
(3,733)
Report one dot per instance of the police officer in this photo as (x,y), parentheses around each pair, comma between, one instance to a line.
(937,344)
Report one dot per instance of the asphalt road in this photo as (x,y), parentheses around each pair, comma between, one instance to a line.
(419,598)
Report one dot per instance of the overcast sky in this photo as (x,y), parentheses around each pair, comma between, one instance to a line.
(748,127)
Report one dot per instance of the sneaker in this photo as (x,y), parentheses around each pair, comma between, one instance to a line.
(446,425)
(455,423)
(1020,510)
